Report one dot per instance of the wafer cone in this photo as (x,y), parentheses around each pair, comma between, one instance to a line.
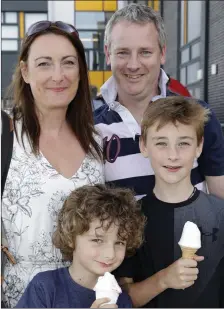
(187,252)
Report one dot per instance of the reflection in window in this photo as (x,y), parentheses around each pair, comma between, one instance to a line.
(90,39)
(9,32)
(90,20)
(10,17)
(31,18)
(9,45)
(192,72)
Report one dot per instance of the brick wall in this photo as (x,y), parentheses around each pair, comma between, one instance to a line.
(216,56)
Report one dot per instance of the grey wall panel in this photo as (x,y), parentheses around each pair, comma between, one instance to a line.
(28,6)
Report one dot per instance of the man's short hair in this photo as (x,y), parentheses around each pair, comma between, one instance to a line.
(139,14)
(108,205)
(175,109)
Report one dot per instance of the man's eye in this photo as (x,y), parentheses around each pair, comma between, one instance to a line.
(184,144)
(161,144)
(146,53)
(122,53)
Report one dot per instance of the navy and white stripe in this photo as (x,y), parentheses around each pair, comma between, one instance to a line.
(124,165)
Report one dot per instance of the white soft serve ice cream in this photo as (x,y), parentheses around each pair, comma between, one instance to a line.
(107,286)
(191,236)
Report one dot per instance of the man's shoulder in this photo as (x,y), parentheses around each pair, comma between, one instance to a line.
(105,115)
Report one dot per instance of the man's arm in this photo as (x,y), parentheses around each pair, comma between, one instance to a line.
(211,161)
(216,185)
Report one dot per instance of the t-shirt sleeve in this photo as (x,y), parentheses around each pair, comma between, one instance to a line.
(124,300)
(34,296)
(211,161)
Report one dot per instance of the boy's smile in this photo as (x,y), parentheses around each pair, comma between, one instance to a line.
(97,251)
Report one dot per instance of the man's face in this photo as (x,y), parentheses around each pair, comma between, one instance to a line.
(172,151)
(135,57)
(98,251)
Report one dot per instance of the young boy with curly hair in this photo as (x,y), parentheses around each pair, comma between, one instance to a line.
(97,226)
(172,139)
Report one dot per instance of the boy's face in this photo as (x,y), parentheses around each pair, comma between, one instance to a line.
(172,151)
(98,251)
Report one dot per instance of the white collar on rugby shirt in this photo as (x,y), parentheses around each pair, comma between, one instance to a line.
(109,90)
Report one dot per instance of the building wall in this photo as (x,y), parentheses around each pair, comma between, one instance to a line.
(171,22)
(209,87)
(216,56)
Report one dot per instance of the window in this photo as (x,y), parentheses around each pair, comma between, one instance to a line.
(190,27)
(10,31)
(192,72)
(10,17)
(194,20)
(90,20)
(190,20)
(195,50)
(31,18)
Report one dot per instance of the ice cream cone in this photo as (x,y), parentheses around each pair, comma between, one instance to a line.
(187,252)
(113,295)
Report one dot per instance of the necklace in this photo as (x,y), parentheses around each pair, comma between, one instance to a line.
(192,194)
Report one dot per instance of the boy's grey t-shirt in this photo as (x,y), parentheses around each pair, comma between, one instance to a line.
(165,222)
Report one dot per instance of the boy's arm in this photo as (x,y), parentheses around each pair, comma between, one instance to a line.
(179,275)
(142,292)
(34,296)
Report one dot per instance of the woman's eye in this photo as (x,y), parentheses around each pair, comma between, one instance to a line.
(43,64)
(160,144)
(121,243)
(184,144)
(69,62)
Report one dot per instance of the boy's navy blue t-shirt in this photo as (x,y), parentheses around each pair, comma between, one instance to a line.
(56,289)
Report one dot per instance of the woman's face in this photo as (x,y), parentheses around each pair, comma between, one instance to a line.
(52,71)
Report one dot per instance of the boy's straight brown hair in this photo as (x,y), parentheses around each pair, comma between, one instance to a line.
(173,110)
(108,205)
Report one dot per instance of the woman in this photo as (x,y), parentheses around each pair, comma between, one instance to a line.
(55,148)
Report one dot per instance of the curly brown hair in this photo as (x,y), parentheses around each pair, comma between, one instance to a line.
(108,205)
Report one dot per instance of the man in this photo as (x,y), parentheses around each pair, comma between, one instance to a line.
(135,47)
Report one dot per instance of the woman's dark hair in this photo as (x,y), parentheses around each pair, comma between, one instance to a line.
(79,113)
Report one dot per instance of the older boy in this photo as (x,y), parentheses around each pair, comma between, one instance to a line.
(172,138)
(96,227)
